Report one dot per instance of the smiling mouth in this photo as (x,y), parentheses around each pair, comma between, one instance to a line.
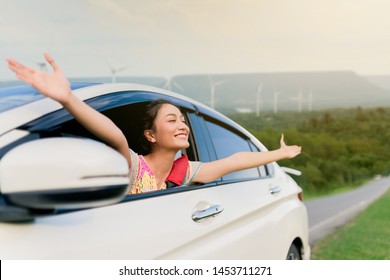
(181,135)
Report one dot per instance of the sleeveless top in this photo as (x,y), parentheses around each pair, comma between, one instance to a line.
(143,180)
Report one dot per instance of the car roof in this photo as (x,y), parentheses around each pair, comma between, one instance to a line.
(16,96)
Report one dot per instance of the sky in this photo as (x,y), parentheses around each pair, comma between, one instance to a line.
(177,37)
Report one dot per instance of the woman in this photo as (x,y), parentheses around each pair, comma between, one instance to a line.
(165,131)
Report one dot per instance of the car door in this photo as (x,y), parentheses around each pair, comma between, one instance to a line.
(168,224)
(251,199)
(158,226)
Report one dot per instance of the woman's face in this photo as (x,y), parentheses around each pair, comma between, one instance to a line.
(171,131)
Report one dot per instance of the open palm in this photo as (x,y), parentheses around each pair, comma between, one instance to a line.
(54,84)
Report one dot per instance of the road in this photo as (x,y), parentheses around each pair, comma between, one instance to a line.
(328,213)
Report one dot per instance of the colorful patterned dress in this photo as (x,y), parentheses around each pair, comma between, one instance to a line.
(143,180)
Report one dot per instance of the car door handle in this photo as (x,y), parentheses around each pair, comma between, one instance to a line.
(275,190)
(209,212)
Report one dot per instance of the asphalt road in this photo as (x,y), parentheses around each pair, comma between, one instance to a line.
(328,213)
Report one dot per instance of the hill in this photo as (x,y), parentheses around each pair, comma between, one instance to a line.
(290,91)
(300,91)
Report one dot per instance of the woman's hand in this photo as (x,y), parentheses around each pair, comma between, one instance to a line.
(54,85)
(289,151)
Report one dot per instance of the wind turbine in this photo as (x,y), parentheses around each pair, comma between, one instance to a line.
(258,99)
(299,98)
(114,71)
(213,85)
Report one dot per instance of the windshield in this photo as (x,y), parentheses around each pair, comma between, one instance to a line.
(12,97)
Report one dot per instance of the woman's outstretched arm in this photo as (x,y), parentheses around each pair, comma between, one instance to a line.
(56,86)
(211,171)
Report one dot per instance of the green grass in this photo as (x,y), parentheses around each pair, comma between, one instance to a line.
(367,237)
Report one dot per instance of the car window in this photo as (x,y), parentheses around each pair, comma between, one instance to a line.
(226,142)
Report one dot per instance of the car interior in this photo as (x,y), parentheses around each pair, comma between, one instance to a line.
(127,117)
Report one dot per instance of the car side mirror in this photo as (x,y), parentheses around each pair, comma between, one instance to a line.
(63,173)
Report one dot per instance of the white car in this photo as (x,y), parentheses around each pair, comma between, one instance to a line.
(63,192)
